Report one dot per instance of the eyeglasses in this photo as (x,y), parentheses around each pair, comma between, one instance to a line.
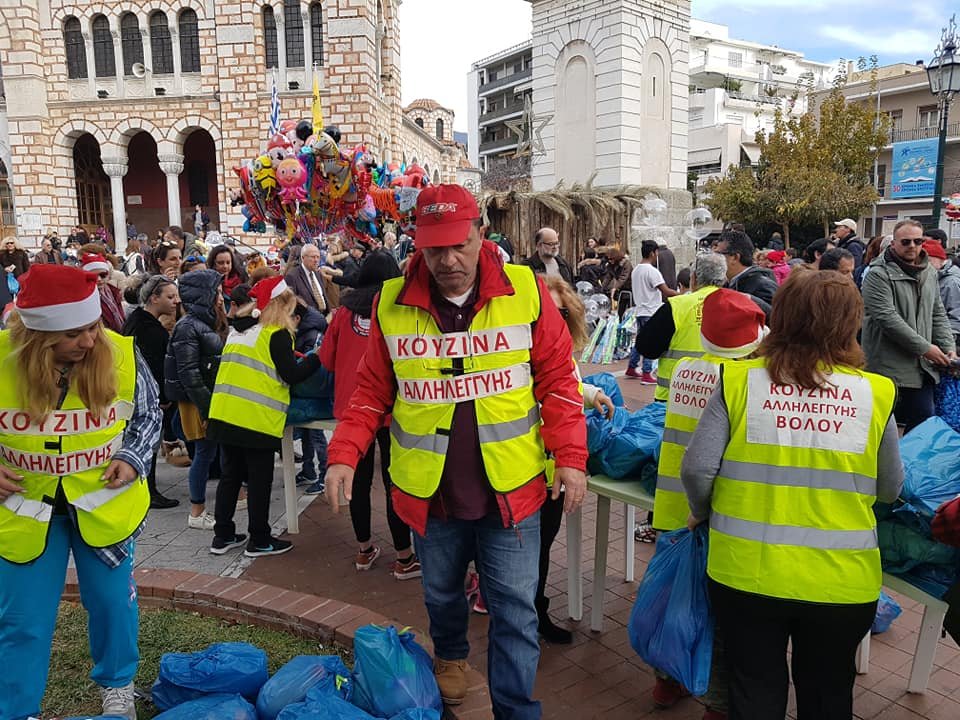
(550,245)
(906,242)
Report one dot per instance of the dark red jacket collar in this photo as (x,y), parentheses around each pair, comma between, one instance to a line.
(491,278)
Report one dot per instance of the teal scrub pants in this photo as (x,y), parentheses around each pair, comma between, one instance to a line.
(29,599)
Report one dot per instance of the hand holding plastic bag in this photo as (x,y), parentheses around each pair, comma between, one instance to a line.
(671,626)
(392,673)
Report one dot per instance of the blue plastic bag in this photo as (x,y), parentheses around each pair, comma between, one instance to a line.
(887,611)
(330,708)
(671,626)
(220,706)
(621,446)
(13,285)
(231,667)
(929,479)
(292,683)
(418,714)
(947,397)
(392,672)
(607,383)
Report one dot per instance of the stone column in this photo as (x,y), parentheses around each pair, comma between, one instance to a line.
(172,166)
(177,65)
(116,168)
(91,63)
(307,48)
(118,60)
(281,49)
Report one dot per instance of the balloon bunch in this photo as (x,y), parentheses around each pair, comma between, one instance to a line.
(305,183)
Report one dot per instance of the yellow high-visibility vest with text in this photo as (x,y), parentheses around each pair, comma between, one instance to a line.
(687,313)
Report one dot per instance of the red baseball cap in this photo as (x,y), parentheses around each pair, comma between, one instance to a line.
(444,215)
(935,249)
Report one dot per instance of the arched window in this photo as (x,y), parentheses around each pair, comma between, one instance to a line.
(189,42)
(419,121)
(293,32)
(131,41)
(103,58)
(316,32)
(7,221)
(161,47)
(270,37)
(439,128)
(76,52)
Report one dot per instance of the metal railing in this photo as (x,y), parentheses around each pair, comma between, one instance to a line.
(501,144)
(501,112)
(923,133)
(502,82)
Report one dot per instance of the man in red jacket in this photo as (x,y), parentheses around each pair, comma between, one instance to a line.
(476,363)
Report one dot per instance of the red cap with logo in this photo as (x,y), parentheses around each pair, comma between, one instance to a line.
(444,215)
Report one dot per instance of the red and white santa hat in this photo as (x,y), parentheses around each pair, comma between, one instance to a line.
(54,298)
(265,291)
(92,262)
(733,325)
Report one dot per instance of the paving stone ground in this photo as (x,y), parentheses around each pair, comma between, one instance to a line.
(599,676)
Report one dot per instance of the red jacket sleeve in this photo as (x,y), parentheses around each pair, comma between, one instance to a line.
(370,402)
(556,386)
(328,350)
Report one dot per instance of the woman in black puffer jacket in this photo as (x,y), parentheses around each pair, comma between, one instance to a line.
(190,370)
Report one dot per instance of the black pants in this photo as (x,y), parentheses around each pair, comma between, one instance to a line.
(252,467)
(755,631)
(551,513)
(152,477)
(914,405)
(362,486)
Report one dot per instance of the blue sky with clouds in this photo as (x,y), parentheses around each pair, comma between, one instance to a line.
(826,30)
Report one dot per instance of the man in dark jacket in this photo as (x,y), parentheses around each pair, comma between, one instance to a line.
(846,234)
(546,259)
(306,281)
(742,275)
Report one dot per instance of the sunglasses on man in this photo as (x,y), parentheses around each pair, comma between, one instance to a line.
(906,242)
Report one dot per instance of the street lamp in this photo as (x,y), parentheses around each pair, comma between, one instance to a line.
(943,73)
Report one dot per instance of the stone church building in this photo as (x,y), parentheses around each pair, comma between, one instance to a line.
(117,111)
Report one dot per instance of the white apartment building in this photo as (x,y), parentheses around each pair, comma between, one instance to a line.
(735,88)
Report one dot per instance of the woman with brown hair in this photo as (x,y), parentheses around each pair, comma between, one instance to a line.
(791,453)
(83,418)
(248,412)
(616,280)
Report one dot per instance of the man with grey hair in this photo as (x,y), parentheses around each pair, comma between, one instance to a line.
(546,259)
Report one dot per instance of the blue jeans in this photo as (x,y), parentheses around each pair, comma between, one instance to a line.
(507,560)
(635,356)
(29,599)
(203,455)
(312,442)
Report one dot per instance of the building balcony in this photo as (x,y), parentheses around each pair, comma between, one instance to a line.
(739,99)
(507,81)
(923,133)
(501,113)
(493,146)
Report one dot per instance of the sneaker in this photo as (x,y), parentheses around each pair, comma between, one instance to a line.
(451,678)
(479,606)
(203,521)
(365,560)
(219,546)
(160,502)
(667,693)
(317,488)
(644,533)
(648,378)
(407,570)
(119,702)
(631,372)
(304,480)
(276,546)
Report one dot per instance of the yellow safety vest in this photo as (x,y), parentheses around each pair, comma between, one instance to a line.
(792,509)
(687,313)
(691,386)
(248,391)
(496,375)
(72,447)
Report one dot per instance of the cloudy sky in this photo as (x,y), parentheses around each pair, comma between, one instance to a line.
(440,39)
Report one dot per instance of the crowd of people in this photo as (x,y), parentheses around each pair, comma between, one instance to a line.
(454,367)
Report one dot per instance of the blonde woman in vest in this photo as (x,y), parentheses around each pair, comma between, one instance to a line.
(77,430)
(248,413)
(791,453)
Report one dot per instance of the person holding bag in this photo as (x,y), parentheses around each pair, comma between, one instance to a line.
(790,454)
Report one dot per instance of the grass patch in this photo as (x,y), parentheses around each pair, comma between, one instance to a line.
(71,692)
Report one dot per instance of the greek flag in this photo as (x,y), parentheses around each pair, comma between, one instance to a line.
(274,109)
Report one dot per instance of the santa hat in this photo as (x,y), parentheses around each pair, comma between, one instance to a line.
(265,291)
(92,262)
(733,324)
(54,298)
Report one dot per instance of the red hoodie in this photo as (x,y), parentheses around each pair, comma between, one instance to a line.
(555,388)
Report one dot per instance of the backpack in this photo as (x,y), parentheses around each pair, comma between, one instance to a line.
(137,266)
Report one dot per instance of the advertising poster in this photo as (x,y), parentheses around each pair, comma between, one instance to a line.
(914,168)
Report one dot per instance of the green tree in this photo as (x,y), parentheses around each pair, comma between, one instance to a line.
(813,167)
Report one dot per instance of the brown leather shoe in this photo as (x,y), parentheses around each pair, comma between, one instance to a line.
(451,679)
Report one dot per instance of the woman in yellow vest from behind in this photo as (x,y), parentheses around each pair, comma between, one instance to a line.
(248,412)
(79,418)
(791,453)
